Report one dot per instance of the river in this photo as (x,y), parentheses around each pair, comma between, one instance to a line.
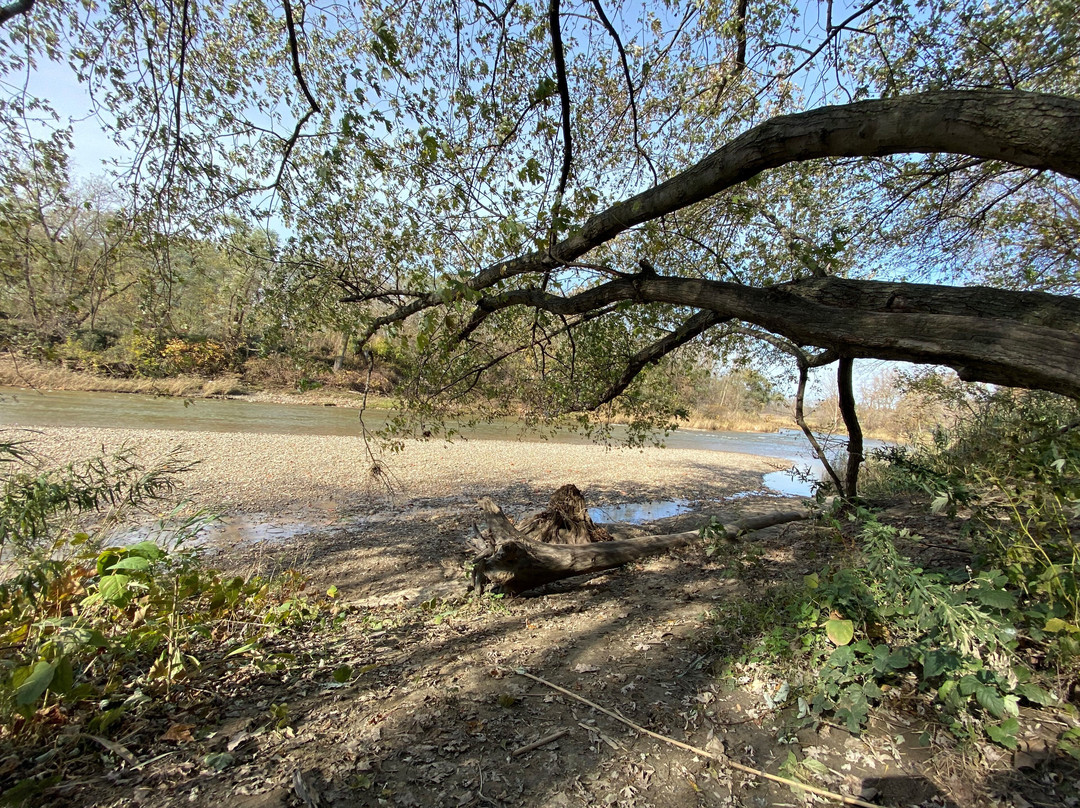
(27,408)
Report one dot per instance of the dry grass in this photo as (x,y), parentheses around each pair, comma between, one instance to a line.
(736,422)
(54,377)
(40,376)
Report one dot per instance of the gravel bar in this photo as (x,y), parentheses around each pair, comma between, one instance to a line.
(261,473)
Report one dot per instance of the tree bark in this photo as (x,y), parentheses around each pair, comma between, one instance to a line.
(1016,339)
(846,397)
(565,521)
(515,563)
(14,9)
(1027,129)
(800,419)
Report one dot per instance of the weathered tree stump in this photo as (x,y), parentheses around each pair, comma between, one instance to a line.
(514,560)
(566,520)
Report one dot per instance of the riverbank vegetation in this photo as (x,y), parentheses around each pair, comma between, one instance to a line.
(947,603)
(966,599)
(596,211)
(102,634)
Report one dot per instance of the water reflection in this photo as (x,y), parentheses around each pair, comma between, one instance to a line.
(637,512)
(791,482)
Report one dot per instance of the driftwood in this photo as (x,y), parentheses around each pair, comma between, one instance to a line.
(514,561)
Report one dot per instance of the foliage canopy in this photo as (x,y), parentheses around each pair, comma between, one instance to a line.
(575,191)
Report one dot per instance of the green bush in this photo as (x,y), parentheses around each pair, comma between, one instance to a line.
(85,623)
(980,641)
(959,638)
(1014,466)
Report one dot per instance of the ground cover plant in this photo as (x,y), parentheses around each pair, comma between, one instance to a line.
(976,636)
(99,632)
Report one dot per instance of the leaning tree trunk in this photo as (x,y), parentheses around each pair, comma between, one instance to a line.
(514,562)
(846,397)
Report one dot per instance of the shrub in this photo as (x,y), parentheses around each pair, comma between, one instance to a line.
(93,631)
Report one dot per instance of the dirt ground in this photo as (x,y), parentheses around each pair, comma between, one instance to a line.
(433,708)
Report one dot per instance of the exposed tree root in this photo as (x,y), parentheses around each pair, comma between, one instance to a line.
(518,559)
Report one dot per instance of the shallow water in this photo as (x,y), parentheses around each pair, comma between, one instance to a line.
(637,512)
(132,411)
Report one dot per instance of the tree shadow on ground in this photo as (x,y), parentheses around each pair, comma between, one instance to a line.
(417,544)
(431,710)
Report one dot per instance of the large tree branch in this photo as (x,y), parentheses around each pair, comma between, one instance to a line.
(294,52)
(15,9)
(1026,129)
(1020,339)
(559,56)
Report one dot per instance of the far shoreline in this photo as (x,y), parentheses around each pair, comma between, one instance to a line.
(30,376)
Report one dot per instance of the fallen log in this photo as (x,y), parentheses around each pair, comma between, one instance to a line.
(514,562)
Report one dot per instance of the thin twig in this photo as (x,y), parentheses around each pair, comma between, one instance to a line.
(521,750)
(480,788)
(722,760)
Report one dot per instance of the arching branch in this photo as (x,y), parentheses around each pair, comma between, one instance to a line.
(800,419)
(294,51)
(313,105)
(1018,339)
(1027,129)
(818,360)
(15,9)
(651,354)
(740,36)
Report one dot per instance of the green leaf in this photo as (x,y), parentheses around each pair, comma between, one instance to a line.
(839,632)
(22,791)
(996,598)
(841,657)
(146,549)
(991,700)
(218,761)
(1036,695)
(816,766)
(100,723)
(135,563)
(113,588)
(1069,742)
(343,674)
(243,649)
(79,637)
(938,661)
(35,685)
(899,659)
(968,684)
(1004,733)
(949,695)
(63,678)
(1012,705)
(1056,624)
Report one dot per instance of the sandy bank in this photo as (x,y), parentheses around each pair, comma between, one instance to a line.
(272,473)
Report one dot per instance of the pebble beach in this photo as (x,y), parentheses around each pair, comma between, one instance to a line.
(267,473)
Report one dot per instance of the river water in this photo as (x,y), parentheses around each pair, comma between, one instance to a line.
(28,408)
